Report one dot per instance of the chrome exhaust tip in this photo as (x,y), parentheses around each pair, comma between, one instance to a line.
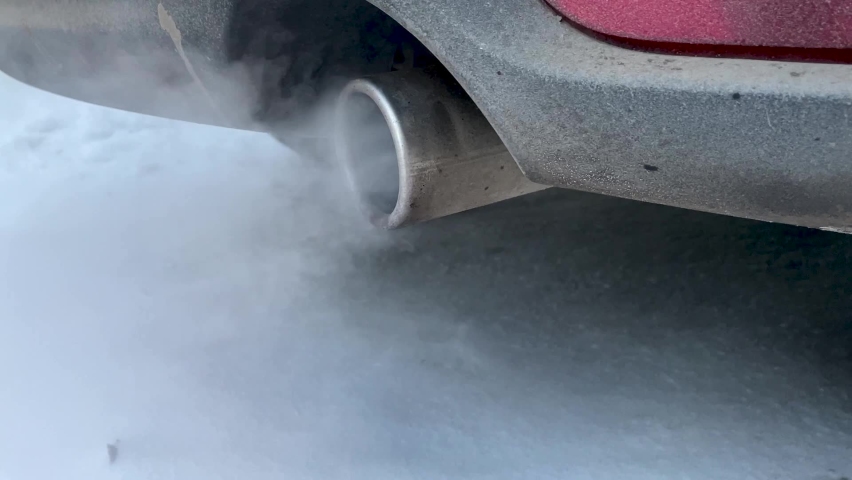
(415,148)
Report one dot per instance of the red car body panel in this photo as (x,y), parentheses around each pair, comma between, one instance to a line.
(816,24)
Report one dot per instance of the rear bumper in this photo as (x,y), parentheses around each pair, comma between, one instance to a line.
(756,139)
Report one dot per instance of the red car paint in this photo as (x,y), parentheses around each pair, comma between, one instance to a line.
(808,24)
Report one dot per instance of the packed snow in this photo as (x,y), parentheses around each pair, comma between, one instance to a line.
(187,302)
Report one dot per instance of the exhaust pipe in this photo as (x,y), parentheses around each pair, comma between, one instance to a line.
(415,148)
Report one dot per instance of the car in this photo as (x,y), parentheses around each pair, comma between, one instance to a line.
(738,107)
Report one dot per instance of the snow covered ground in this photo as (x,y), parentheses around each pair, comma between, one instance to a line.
(212,306)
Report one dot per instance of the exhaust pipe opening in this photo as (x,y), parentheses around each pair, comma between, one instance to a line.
(368,144)
(415,148)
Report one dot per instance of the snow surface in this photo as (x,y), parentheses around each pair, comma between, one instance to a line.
(214,305)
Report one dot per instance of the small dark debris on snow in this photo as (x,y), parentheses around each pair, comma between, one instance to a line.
(499,72)
(112,452)
(736,96)
(650,168)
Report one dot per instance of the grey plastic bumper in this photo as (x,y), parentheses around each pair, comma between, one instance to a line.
(758,139)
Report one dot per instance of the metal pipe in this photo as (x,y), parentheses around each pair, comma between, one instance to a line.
(415,147)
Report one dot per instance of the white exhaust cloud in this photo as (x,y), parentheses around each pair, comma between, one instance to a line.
(194,302)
